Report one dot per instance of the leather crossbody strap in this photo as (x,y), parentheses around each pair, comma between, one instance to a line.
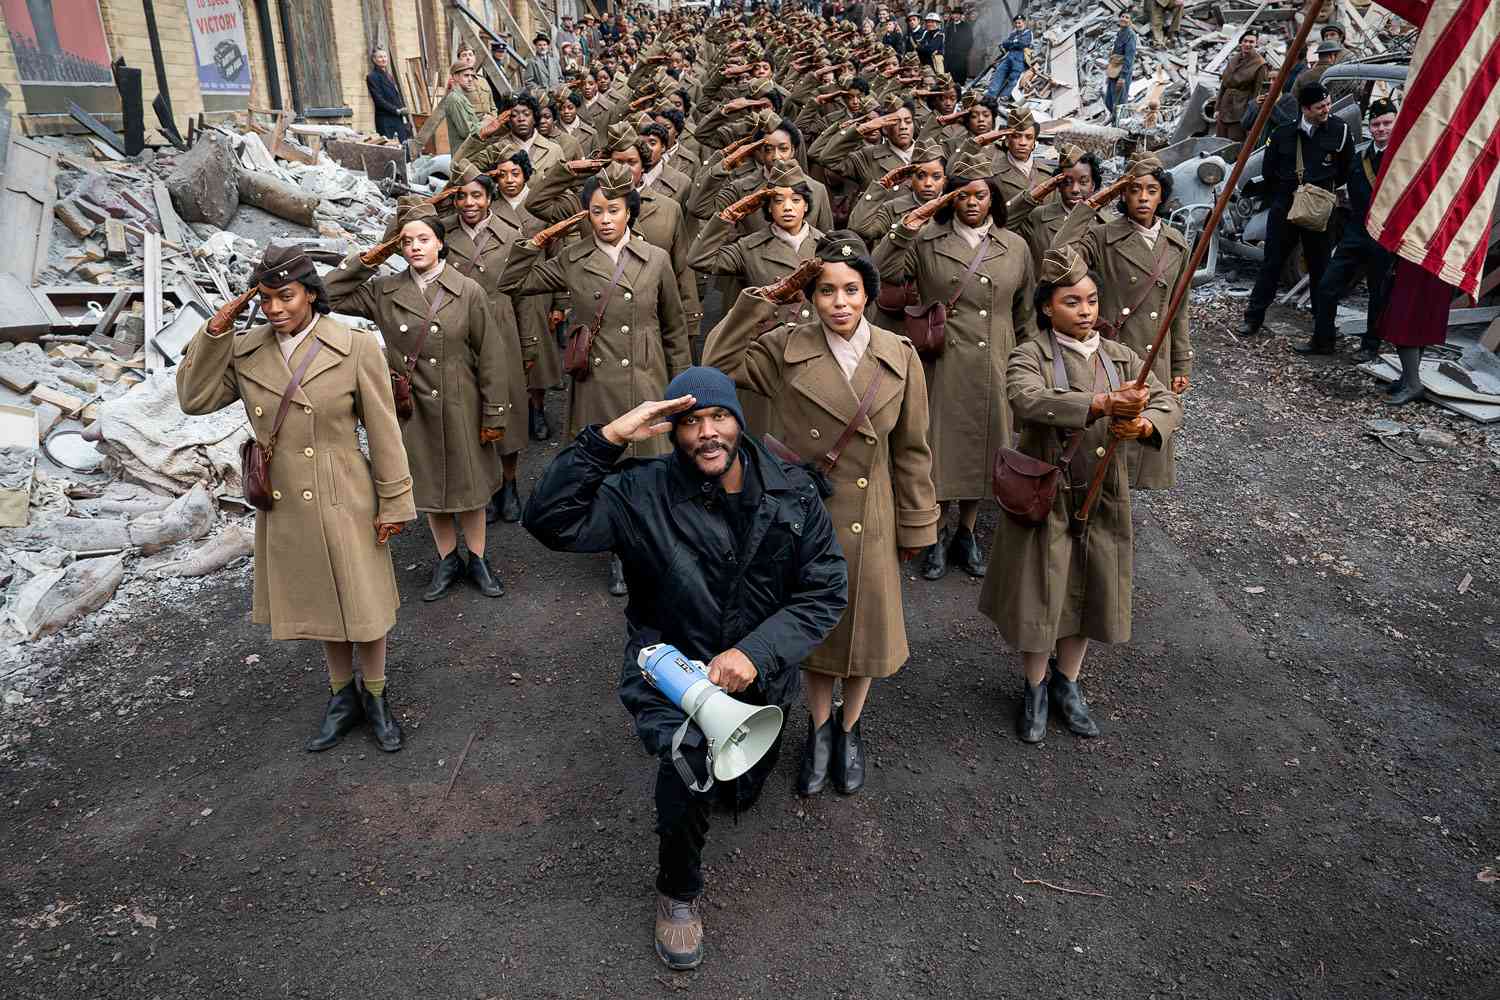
(1298,140)
(866,401)
(433,307)
(479,245)
(291,390)
(1161,266)
(969,272)
(609,292)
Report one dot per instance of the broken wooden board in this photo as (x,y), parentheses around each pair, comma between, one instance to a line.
(68,403)
(114,238)
(78,224)
(171,224)
(369,157)
(26,199)
(22,315)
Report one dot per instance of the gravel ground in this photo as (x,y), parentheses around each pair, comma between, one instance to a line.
(1294,795)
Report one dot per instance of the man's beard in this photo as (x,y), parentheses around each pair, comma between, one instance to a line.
(731,451)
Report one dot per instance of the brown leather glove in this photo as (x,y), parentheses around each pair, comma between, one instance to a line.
(994,135)
(741,104)
(917,217)
(789,288)
(734,159)
(583,168)
(1047,186)
(895,177)
(488,435)
(381,252)
(493,126)
(384,531)
(1123,404)
(1132,429)
(223,321)
(952,116)
(876,124)
(746,205)
(552,232)
(1110,192)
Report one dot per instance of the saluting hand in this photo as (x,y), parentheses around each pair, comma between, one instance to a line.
(583,168)
(646,421)
(901,173)
(789,288)
(917,217)
(740,209)
(1103,197)
(223,320)
(734,159)
(552,232)
(732,671)
(491,127)
(380,252)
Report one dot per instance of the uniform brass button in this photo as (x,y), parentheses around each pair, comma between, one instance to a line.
(791,322)
(434,394)
(1099,451)
(433,328)
(624,362)
(1132,279)
(814,434)
(1153,315)
(403,327)
(481,268)
(983,280)
(275,494)
(624,329)
(862,482)
(869,440)
(981,343)
(598,362)
(307,409)
(627,296)
(432,361)
(259,412)
(856,527)
(805,314)
(869,197)
(307,494)
(308,452)
(983,313)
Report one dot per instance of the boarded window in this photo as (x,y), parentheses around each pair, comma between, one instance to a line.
(308,31)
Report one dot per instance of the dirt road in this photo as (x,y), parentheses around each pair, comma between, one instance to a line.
(1294,796)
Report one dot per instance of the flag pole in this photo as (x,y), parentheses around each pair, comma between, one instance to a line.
(1179,296)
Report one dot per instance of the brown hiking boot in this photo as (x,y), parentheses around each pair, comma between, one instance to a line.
(679,932)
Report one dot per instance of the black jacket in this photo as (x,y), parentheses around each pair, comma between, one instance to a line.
(774,593)
(1326,157)
(388,120)
(928,43)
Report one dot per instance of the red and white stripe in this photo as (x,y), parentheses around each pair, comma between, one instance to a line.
(1435,195)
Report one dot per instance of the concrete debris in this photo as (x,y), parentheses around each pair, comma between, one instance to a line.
(235,542)
(54,598)
(149,439)
(204,182)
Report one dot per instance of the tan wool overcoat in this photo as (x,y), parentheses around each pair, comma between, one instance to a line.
(494,239)
(970,413)
(883,498)
(643,340)
(1043,583)
(459,382)
(554,197)
(319,573)
(1140,278)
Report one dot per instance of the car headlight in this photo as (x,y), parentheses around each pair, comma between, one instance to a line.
(1210,172)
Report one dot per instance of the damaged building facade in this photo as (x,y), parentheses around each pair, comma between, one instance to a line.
(215,58)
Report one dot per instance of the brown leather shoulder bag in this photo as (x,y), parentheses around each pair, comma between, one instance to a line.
(926,326)
(401,380)
(255,458)
(581,338)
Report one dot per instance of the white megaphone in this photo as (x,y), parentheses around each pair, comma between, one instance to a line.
(738,734)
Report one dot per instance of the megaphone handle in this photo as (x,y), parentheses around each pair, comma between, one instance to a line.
(684,770)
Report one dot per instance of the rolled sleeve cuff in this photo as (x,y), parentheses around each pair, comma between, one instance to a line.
(916,528)
(396,504)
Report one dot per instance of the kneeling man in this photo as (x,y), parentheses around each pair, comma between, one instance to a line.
(730,557)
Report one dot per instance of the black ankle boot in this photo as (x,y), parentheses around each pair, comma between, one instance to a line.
(383,725)
(342,714)
(964,550)
(935,562)
(848,764)
(510,502)
(815,758)
(1065,696)
(540,430)
(444,575)
(484,578)
(617,587)
(1033,725)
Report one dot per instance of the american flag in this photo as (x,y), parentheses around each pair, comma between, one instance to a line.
(1435,196)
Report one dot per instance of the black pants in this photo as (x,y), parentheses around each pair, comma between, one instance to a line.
(1282,240)
(1356,255)
(682,816)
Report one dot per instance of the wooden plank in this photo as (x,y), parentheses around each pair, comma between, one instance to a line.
(152,281)
(94,125)
(368,157)
(69,404)
(1491,339)
(114,238)
(26,200)
(171,225)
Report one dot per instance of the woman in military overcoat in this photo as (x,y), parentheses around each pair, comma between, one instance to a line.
(642,340)
(1051,588)
(460,389)
(1139,260)
(992,312)
(816,374)
(322,568)
(478,243)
